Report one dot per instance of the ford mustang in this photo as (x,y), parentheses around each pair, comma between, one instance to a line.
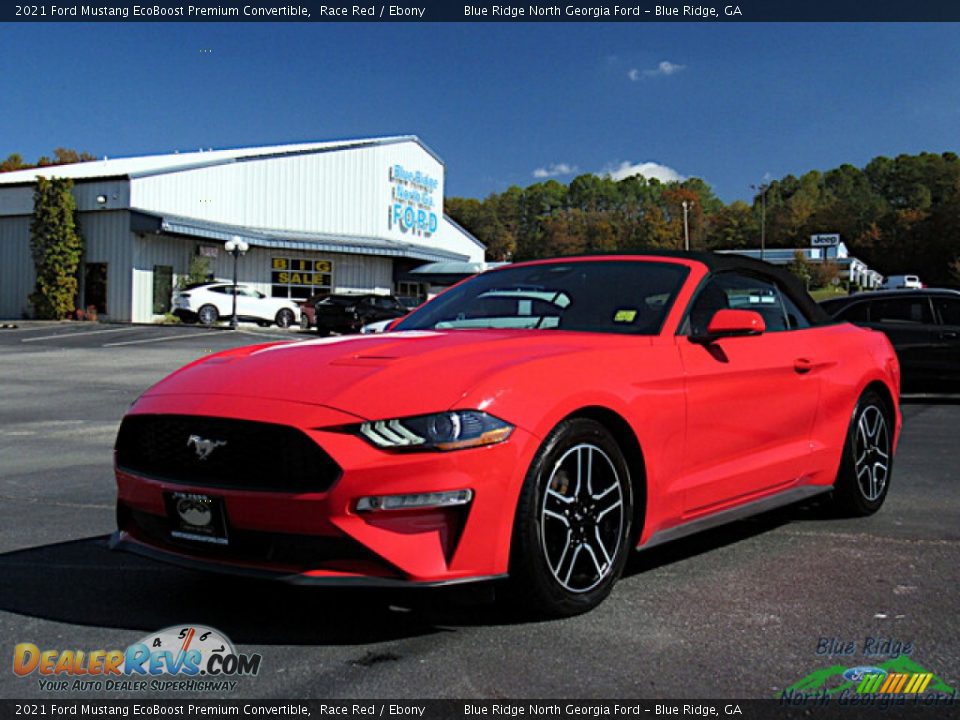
(534,423)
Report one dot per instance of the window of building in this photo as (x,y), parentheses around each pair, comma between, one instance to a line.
(95,286)
(411,290)
(300,278)
(162,288)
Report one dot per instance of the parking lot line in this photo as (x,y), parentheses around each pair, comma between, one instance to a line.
(259,333)
(151,340)
(79,333)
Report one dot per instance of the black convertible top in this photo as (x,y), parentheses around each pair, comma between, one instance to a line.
(730,262)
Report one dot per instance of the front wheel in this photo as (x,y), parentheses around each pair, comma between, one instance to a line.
(285,318)
(864,477)
(572,530)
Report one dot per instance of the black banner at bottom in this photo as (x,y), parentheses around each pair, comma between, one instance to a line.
(814,709)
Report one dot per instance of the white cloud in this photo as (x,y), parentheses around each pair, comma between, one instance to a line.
(664,68)
(555,170)
(647,169)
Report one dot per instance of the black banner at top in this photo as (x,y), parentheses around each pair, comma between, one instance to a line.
(502,11)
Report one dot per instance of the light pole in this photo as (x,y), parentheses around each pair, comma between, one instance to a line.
(236,247)
(763,187)
(686,227)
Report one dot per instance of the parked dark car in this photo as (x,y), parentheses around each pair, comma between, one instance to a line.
(923,326)
(348,313)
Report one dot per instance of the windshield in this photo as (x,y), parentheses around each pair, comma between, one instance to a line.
(613,296)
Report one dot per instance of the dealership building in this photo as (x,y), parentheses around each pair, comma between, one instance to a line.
(346,216)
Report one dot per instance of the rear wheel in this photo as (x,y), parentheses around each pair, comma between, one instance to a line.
(573,523)
(208,314)
(285,318)
(864,477)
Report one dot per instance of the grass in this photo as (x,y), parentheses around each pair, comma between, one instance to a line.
(827,293)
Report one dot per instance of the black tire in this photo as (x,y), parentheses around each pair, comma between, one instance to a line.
(208,314)
(285,318)
(864,477)
(263,323)
(322,331)
(572,531)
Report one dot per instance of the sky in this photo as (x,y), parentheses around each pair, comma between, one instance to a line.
(501,104)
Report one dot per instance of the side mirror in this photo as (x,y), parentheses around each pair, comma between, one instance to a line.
(732,323)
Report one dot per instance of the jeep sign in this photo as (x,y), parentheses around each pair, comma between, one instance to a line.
(825,240)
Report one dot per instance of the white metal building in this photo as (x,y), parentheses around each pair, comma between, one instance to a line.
(338,216)
(852,269)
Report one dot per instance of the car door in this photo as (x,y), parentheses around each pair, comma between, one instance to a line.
(249,303)
(947,353)
(909,324)
(751,400)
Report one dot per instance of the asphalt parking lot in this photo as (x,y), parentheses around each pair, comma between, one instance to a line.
(734,613)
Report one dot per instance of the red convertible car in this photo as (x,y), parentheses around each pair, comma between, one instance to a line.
(533,423)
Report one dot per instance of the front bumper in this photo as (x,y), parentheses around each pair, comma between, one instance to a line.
(318,537)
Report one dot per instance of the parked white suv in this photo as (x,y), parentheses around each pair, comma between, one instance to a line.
(211,302)
(902,282)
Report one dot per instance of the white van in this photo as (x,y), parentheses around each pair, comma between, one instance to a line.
(902,282)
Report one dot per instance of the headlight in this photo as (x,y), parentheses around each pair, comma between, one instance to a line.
(453,430)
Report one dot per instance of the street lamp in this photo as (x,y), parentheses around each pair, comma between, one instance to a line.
(236,247)
(686,227)
(763,187)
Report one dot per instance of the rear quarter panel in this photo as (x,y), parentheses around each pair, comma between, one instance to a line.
(855,358)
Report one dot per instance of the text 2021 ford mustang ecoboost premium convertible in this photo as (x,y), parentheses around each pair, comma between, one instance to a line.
(534,423)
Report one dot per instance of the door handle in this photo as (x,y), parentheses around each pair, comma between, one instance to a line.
(949,335)
(802,365)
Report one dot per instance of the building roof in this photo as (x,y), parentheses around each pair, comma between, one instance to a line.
(129,167)
(142,221)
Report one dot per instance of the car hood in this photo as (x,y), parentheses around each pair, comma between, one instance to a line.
(372,376)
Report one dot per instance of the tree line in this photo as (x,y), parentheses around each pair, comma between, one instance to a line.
(61,156)
(899,215)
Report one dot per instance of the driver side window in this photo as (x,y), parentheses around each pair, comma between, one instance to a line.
(738,291)
(711,299)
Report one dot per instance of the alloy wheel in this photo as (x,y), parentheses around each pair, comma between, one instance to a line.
(582,518)
(872,452)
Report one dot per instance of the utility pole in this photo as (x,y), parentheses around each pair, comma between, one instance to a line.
(763,187)
(686,227)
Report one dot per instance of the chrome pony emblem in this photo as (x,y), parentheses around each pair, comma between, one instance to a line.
(203,446)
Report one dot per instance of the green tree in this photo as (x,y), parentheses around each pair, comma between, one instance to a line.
(800,267)
(198,272)
(57,247)
(734,226)
(955,270)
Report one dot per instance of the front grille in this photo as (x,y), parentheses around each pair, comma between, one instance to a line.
(224,453)
(302,551)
